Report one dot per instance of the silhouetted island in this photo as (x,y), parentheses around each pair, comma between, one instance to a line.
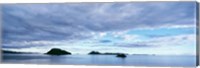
(57,51)
(112,53)
(121,55)
(94,53)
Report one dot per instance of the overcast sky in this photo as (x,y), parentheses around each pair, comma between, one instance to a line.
(133,28)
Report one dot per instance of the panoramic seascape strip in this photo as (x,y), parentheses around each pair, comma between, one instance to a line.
(114,34)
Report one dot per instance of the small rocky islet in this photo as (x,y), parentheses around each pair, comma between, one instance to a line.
(57,51)
(94,53)
(121,55)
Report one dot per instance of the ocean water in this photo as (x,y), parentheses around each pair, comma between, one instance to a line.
(130,60)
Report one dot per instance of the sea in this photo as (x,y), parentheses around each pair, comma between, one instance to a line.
(105,60)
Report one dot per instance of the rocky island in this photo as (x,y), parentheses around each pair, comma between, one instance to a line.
(121,55)
(57,51)
(94,53)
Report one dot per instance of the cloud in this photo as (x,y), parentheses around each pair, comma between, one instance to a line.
(178,40)
(85,21)
(133,45)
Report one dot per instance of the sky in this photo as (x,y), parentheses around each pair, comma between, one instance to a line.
(164,28)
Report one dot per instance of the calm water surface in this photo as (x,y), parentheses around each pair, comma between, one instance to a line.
(130,60)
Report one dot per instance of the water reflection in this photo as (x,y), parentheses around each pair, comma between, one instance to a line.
(133,60)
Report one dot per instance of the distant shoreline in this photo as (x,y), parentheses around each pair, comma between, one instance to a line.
(16,52)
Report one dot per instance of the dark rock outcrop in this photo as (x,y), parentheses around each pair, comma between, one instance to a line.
(57,51)
(121,55)
(94,53)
